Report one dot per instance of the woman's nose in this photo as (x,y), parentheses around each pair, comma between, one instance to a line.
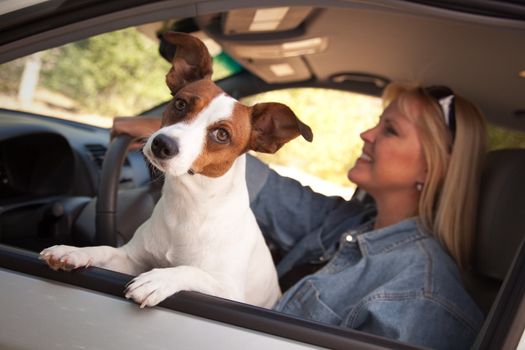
(368,135)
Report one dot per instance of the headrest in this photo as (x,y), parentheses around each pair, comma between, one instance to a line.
(501,212)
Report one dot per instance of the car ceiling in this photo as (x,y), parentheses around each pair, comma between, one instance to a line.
(480,56)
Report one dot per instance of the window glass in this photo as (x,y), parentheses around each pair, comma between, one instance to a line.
(91,81)
(500,138)
(336,118)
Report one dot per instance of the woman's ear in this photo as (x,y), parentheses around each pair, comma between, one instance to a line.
(274,124)
(422,178)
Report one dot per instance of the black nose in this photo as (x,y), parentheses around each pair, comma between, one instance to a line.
(164,147)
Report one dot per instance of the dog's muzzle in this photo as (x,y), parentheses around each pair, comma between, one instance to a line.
(164,147)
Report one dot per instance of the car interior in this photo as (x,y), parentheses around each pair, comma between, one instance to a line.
(63,182)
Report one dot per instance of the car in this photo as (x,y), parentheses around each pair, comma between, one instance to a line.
(63,182)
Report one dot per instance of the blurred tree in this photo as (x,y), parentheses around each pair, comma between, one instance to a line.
(29,79)
(10,74)
(119,73)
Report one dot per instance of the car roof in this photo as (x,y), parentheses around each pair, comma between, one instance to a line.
(476,48)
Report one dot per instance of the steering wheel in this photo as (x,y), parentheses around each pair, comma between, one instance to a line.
(106,206)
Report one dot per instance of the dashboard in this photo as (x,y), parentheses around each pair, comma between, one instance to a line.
(49,174)
(35,165)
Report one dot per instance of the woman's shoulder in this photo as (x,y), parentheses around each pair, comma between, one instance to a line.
(439,278)
(413,262)
(420,278)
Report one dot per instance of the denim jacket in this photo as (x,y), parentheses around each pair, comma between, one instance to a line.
(396,281)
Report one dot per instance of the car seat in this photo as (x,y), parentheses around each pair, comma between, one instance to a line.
(500,225)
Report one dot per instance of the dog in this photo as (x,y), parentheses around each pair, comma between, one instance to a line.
(202,235)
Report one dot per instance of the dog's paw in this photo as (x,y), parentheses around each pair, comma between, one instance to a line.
(152,287)
(65,257)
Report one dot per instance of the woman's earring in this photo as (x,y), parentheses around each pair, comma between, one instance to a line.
(419,186)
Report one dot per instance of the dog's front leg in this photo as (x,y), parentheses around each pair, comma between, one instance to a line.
(152,287)
(63,257)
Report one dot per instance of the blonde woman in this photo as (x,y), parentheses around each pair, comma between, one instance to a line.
(392,267)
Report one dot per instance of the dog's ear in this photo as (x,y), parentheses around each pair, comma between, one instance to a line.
(191,61)
(274,124)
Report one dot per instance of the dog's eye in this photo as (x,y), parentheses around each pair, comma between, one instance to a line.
(180,104)
(221,135)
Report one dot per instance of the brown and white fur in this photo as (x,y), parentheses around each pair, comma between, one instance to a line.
(202,235)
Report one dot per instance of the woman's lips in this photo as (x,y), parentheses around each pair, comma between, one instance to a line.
(365,157)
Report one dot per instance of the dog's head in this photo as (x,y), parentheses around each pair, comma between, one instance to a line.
(203,129)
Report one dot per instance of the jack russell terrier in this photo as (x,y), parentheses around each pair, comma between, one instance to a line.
(202,235)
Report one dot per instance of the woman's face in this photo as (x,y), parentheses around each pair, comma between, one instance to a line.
(392,160)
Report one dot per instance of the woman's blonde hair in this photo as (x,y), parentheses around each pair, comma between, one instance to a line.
(448,201)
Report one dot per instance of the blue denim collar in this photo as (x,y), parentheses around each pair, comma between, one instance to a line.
(372,242)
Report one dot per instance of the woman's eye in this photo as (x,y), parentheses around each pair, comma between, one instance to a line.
(180,104)
(221,135)
(390,130)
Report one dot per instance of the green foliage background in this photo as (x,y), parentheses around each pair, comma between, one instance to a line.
(119,73)
(113,74)
(10,76)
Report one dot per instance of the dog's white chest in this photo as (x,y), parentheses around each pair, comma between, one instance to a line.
(180,233)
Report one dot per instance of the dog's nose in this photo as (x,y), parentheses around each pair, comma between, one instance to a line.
(164,147)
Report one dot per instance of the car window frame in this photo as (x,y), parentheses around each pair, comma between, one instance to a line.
(504,325)
(212,308)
